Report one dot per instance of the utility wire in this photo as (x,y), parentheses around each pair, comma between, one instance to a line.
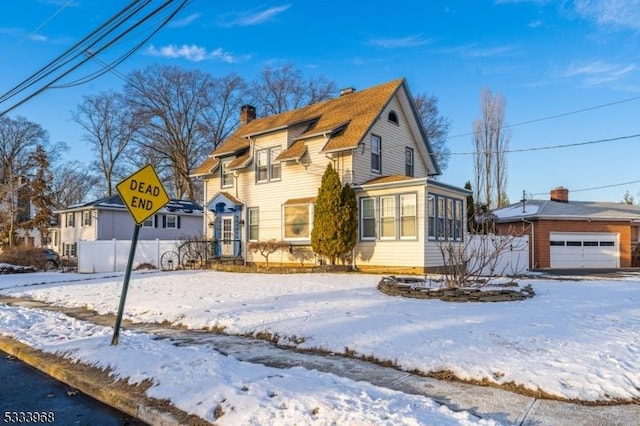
(551,117)
(80,49)
(111,66)
(542,148)
(46,70)
(595,187)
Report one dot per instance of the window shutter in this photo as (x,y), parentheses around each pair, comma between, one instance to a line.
(178,222)
(164,221)
(155,221)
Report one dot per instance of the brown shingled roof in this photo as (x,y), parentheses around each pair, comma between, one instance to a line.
(241,161)
(207,167)
(387,179)
(359,109)
(294,152)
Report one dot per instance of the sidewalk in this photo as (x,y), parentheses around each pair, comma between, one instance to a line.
(485,402)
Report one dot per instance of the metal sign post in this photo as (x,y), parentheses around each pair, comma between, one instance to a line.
(125,286)
(144,195)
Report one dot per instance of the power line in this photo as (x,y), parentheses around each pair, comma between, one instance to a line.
(96,42)
(551,117)
(594,188)
(542,148)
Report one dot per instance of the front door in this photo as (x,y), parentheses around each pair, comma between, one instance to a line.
(227,237)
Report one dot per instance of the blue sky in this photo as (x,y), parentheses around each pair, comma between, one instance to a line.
(547,58)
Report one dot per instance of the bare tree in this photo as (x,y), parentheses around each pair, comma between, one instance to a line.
(19,139)
(108,125)
(282,89)
(435,125)
(267,247)
(491,143)
(225,97)
(72,183)
(175,107)
(477,259)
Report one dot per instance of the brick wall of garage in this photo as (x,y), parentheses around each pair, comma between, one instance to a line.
(543,228)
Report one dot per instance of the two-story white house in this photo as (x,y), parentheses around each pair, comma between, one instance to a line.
(261,183)
(108,218)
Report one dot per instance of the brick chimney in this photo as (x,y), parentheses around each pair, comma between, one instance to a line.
(247,114)
(347,91)
(560,194)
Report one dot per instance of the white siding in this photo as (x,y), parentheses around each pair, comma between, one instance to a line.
(298,180)
(433,254)
(397,252)
(395,138)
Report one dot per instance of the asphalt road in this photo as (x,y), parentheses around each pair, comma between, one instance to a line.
(29,397)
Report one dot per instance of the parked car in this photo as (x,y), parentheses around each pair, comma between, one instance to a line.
(52,259)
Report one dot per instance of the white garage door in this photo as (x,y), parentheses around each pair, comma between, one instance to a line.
(584,250)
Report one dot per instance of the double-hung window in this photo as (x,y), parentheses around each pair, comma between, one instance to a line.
(71,219)
(171,221)
(368,218)
(226,175)
(408,216)
(376,154)
(274,166)
(387,218)
(445,218)
(457,232)
(253,216)
(441,218)
(408,162)
(86,218)
(431,207)
(267,168)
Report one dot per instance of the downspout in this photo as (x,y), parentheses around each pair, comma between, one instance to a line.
(205,216)
(532,259)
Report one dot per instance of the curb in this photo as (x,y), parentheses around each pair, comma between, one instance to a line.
(100,387)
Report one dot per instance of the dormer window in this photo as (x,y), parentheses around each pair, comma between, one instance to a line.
(393,118)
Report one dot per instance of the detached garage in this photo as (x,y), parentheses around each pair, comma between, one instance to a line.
(567,234)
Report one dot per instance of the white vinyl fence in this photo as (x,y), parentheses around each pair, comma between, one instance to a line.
(512,257)
(113,255)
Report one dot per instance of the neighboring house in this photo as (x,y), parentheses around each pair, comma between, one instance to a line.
(574,234)
(108,218)
(261,183)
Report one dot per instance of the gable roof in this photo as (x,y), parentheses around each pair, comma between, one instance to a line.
(571,210)
(345,120)
(115,202)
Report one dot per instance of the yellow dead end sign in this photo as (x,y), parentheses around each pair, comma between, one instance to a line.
(143,193)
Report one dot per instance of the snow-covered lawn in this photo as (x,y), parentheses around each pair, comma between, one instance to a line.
(574,339)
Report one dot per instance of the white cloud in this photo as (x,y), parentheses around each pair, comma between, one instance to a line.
(475,51)
(254,17)
(598,72)
(179,23)
(393,43)
(37,37)
(193,53)
(616,13)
